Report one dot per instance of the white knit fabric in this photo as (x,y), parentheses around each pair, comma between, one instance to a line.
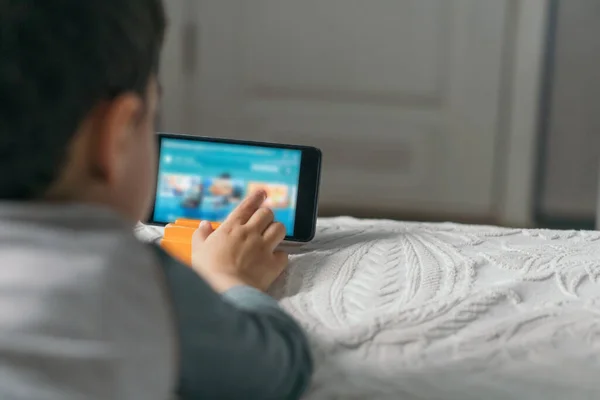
(442,311)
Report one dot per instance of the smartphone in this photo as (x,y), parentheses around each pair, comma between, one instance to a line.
(206,178)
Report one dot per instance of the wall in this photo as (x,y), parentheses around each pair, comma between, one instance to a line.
(572,153)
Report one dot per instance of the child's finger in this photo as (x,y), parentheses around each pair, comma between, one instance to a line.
(275,234)
(203,232)
(247,208)
(261,220)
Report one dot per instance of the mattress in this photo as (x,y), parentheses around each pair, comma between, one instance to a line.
(398,310)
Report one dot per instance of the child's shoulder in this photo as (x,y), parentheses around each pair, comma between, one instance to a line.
(87,288)
(78,278)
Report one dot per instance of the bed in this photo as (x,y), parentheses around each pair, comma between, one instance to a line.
(398,310)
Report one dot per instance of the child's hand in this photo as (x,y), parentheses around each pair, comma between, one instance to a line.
(242,250)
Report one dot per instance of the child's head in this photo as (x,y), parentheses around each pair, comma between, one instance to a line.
(78,99)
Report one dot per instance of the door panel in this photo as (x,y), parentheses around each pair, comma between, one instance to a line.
(345,50)
(402,96)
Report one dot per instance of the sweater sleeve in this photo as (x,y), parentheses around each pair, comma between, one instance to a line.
(238,345)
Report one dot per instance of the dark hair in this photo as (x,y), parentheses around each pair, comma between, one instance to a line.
(58,60)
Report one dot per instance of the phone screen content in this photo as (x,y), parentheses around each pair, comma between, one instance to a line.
(207,180)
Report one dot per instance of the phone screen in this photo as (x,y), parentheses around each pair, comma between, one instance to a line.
(206,180)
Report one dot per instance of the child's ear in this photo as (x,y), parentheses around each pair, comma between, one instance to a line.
(116,124)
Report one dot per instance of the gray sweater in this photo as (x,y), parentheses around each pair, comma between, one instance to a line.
(89,312)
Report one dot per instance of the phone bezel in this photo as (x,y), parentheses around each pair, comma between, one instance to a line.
(308,182)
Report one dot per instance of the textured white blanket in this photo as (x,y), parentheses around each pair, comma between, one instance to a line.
(443,311)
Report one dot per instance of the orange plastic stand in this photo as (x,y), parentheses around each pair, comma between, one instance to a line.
(193,223)
(177,239)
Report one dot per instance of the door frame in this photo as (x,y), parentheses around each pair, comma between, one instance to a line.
(525,75)
(172,74)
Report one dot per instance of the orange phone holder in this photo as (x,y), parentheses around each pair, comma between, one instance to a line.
(177,239)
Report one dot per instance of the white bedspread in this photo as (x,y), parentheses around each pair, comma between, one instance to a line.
(443,311)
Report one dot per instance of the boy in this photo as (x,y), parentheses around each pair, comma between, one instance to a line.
(86,311)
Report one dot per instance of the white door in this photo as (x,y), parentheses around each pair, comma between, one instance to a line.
(403,96)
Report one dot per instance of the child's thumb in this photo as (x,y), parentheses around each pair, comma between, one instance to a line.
(204,231)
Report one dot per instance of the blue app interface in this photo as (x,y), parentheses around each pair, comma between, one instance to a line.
(207,180)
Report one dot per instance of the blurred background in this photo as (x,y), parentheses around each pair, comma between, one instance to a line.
(477,111)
